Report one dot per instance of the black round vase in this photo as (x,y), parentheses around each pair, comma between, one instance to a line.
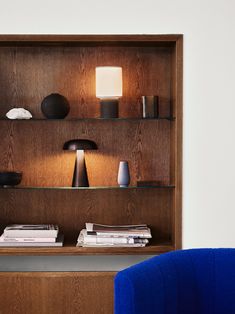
(55,106)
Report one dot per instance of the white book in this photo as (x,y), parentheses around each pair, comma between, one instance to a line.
(93,239)
(31,231)
(59,242)
(6,239)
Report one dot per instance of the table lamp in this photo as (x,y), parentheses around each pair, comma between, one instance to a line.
(109,90)
(80,178)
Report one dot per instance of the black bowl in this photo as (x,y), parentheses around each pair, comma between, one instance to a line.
(10,178)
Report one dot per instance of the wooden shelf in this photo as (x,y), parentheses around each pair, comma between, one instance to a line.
(90,119)
(87,188)
(159,40)
(71,249)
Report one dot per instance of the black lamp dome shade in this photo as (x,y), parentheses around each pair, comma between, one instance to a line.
(80,178)
(80,144)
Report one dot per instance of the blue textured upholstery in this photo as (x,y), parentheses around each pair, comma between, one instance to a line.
(198,281)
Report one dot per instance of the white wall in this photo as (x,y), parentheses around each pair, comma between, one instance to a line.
(209,84)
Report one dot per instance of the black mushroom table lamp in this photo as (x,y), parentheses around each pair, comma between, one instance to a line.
(80,178)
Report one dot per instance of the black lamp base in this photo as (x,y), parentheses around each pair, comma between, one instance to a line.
(109,108)
(80,178)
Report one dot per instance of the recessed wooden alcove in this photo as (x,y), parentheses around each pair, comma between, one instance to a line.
(31,67)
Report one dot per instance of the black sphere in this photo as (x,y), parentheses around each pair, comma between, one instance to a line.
(55,106)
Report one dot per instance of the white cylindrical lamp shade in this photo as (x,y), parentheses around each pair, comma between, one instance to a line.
(108,82)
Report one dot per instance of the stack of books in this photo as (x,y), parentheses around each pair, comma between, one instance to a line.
(96,235)
(31,235)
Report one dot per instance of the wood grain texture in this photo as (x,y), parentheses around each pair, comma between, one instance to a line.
(87,40)
(35,148)
(28,74)
(176,141)
(32,67)
(70,209)
(70,249)
(179,144)
(56,292)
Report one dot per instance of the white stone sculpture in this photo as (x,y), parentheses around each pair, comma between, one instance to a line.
(18,113)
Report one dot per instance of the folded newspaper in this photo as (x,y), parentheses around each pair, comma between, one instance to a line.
(96,235)
(140,231)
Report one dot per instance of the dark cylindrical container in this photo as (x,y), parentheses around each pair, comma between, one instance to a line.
(108,108)
(150,106)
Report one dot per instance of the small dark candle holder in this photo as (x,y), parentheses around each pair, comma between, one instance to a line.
(150,106)
(108,108)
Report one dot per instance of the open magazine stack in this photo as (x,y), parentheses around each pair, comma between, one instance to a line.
(31,235)
(96,235)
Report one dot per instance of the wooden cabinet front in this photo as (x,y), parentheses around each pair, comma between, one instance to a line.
(56,292)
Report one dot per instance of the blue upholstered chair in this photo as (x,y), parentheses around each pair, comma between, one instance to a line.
(198,281)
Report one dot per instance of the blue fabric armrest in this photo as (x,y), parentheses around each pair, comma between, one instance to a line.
(141,289)
(154,287)
(198,281)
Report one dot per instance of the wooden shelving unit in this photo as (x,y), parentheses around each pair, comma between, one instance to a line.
(56,292)
(33,66)
(71,249)
(22,187)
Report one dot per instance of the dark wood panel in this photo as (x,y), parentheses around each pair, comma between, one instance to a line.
(56,292)
(71,249)
(83,40)
(35,148)
(176,142)
(70,209)
(27,75)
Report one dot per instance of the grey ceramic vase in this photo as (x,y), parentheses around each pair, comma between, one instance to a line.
(123,174)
